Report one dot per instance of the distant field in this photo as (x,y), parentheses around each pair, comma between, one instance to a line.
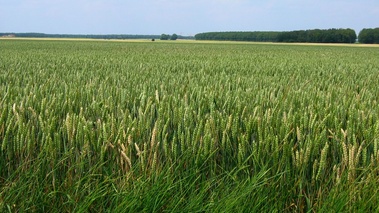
(188,126)
(194,41)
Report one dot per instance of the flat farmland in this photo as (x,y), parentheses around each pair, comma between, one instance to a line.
(188,127)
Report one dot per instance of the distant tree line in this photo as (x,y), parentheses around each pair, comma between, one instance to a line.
(316,36)
(319,36)
(239,36)
(109,36)
(369,36)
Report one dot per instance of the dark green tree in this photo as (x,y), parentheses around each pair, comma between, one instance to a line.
(369,36)
(165,37)
(238,36)
(174,37)
(319,36)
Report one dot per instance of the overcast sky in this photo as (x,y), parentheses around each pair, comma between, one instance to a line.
(184,17)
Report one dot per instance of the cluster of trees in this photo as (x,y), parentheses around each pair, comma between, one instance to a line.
(369,36)
(319,36)
(169,37)
(109,36)
(238,36)
(316,36)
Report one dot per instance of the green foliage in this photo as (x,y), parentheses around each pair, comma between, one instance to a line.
(165,37)
(319,36)
(314,36)
(174,37)
(187,127)
(239,36)
(369,36)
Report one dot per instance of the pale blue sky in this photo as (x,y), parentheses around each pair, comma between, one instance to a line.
(185,17)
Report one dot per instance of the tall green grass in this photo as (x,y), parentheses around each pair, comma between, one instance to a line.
(152,127)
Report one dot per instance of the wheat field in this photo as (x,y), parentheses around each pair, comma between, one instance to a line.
(100,126)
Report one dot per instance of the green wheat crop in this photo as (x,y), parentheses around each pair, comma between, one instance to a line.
(187,127)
